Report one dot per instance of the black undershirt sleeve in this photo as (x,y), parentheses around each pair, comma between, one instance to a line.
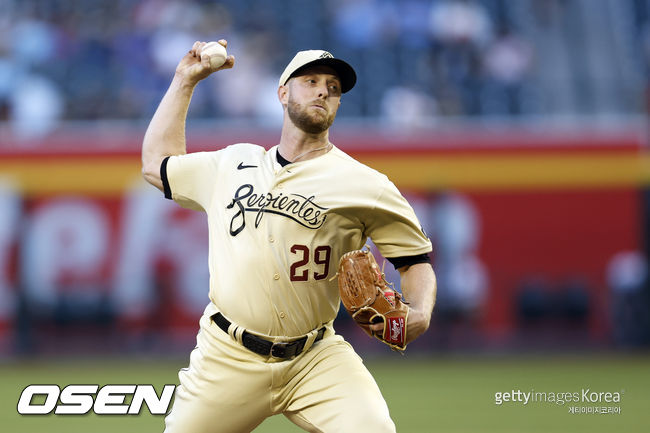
(399,262)
(165,181)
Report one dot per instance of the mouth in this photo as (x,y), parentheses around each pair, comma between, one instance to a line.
(319,106)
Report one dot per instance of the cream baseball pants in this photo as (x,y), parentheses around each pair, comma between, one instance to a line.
(227,388)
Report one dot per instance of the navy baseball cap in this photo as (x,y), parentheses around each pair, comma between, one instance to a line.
(307,58)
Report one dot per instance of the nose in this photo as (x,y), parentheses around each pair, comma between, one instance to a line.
(323,93)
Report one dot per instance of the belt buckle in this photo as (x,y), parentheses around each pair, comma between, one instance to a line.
(279,350)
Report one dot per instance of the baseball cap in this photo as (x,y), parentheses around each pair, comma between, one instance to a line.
(319,57)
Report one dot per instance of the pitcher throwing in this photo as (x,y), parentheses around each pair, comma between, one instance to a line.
(279,221)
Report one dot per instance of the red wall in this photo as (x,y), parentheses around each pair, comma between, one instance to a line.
(552,222)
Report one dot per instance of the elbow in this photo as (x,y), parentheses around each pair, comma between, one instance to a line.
(147,175)
(151,174)
(148,170)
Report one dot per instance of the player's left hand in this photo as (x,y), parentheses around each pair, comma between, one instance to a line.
(417,323)
(371,301)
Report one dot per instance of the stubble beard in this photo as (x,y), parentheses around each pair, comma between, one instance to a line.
(311,124)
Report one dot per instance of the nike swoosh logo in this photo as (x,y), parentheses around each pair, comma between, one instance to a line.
(242,166)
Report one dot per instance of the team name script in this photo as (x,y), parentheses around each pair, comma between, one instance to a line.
(296,207)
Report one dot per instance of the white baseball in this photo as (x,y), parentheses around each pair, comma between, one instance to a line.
(216,52)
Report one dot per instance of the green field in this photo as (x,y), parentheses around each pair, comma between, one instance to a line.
(449,394)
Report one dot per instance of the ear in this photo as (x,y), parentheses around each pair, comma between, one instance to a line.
(283,94)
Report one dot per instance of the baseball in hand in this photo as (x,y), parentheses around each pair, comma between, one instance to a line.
(216,52)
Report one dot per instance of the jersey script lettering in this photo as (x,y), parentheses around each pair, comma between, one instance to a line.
(296,207)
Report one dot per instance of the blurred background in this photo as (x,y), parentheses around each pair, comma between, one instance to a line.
(517,129)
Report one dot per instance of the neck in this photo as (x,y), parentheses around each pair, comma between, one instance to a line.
(296,143)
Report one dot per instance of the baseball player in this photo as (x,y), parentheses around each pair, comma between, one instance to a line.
(279,220)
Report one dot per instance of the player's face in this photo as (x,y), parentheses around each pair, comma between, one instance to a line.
(314,98)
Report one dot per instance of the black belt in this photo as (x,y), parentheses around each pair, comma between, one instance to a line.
(265,347)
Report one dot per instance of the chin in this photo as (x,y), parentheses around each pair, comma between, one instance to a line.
(314,129)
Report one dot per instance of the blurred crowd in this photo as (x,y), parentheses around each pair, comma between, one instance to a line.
(417,60)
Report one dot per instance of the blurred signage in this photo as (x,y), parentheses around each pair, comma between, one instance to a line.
(83,232)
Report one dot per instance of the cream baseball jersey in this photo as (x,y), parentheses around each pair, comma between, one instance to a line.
(277,233)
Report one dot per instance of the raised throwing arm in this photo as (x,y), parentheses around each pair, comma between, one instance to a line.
(165,135)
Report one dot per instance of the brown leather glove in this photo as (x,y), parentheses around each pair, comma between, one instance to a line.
(369,299)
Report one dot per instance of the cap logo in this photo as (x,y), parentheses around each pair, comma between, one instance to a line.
(303,59)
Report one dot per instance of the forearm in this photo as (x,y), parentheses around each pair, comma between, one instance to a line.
(418,283)
(165,135)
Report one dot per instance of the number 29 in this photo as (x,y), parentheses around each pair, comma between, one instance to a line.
(321,257)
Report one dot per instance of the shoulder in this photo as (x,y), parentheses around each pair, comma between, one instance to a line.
(238,150)
(346,163)
(233,151)
(243,152)
(247,148)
